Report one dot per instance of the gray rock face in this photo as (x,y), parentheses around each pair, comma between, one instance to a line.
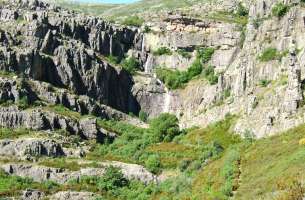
(65,49)
(41,173)
(32,195)
(38,119)
(30,147)
(294,94)
(70,195)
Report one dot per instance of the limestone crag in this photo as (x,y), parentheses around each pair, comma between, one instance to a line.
(42,173)
(30,147)
(39,119)
(66,49)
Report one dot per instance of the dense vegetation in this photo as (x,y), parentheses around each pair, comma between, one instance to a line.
(212,163)
(133,21)
(280,9)
(174,79)
(131,65)
(270,54)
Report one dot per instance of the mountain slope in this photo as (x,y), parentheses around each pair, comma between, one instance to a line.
(183,106)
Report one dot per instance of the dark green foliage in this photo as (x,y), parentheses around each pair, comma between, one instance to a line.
(147,29)
(162,51)
(280,9)
(23,103)
(171,78)
(269,54)
(133,21)
(153,164)
(205,54)
(143,116)
(184,53)
(165,127)
(113,59)
(210,75)
(175,79)
(264,82)
(131,65)
(112,179)
(242,10)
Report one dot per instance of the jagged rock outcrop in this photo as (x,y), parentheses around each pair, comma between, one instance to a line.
(39,119)
(31,147)
(42,173)
(32,195)
(71,195)
(65,49)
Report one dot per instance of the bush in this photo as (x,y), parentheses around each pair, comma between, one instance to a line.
(133,21)
(241,10)
(264,82)
(113,59)
(147,29)
(174,79)
(280,10)
(162,51)
(143,116)
(112,179)
(153,164)
(184,53)
(205,54)
(165,127)
(210,75)
(23,102)
(269,54)
(131,65)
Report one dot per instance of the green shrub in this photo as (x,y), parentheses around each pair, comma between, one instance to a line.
(23,103)
(133,21)
(162,51)
(113,59)
(184,53)
(112,179)
(165,127)
(280,10)
(264,82)
(131,65)
(269,54)
(147,29)
(210,75)
(241,10)
(174,79)
(205,54)
(153,164)
(143,116)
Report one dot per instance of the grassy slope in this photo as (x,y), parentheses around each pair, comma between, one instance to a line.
(268,166)
(272,164)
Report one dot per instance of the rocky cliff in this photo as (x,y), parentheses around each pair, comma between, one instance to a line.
(64,89)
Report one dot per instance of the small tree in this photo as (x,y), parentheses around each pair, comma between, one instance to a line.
(112,179)
(165,127)
(153,164)
(131,65)
(280,10)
